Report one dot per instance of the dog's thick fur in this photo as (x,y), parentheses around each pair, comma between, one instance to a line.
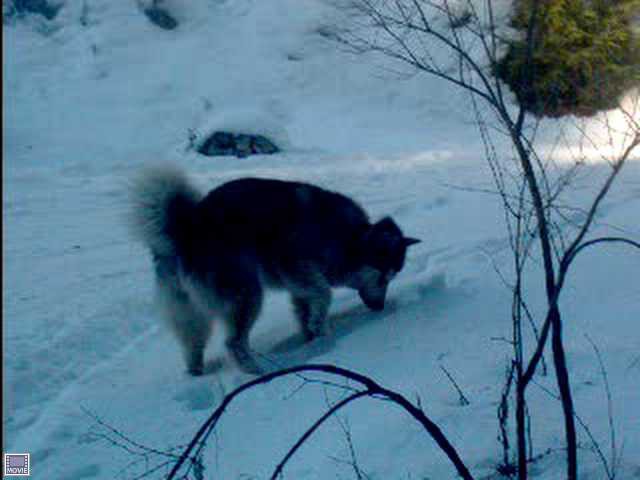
(214,255)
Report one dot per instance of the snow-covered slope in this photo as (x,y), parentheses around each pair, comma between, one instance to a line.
(88,103)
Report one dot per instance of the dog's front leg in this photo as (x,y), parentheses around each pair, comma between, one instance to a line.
(317,302)
(302,310)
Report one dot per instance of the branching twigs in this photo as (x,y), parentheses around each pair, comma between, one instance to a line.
(595,446)
(353,461)
(370,388)
(408,31)
(151,459)
(342,403)
(570,254)
(617,167)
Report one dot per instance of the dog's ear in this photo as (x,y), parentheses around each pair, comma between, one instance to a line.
(381,230)
(386,225)
(408,241)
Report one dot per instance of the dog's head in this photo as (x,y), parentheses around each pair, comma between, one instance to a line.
(383,251)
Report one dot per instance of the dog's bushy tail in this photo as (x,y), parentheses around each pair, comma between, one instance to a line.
(163,208)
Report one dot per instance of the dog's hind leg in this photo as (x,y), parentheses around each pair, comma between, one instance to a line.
(244,311)
(193,330)
(189,325)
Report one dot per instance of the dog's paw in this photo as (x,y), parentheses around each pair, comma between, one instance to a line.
(195,361)
(244,359)
(196,370)
(320,330)
(251,367)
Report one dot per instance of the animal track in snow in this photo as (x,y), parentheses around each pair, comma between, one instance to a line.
(197,397)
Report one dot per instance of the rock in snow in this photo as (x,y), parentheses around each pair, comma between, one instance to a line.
(241,145)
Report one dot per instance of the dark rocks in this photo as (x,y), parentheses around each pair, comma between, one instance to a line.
(41,7)
(264,145)
(239,145)
(160,17)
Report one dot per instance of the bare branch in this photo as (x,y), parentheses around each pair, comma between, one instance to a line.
(570,253)
(371,389)
(596,241)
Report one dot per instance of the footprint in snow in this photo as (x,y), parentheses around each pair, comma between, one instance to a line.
(439,201)
(197,397)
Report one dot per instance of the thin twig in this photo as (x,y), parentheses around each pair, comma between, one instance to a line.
(611,470)
(354,396)
(462,398)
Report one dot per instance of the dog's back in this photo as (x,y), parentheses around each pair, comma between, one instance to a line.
(283,225)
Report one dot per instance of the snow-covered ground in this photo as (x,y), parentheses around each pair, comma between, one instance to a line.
(86,104)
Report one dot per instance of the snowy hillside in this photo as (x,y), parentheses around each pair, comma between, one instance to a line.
(98,92)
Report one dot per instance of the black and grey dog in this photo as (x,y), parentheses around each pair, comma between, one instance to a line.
(215,255)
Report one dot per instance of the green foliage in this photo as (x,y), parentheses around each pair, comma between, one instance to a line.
(585,56)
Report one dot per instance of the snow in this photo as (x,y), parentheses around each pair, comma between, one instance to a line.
(85,106)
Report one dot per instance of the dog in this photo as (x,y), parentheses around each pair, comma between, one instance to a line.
(214,255)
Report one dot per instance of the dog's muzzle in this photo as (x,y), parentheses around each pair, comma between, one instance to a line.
(374,303)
